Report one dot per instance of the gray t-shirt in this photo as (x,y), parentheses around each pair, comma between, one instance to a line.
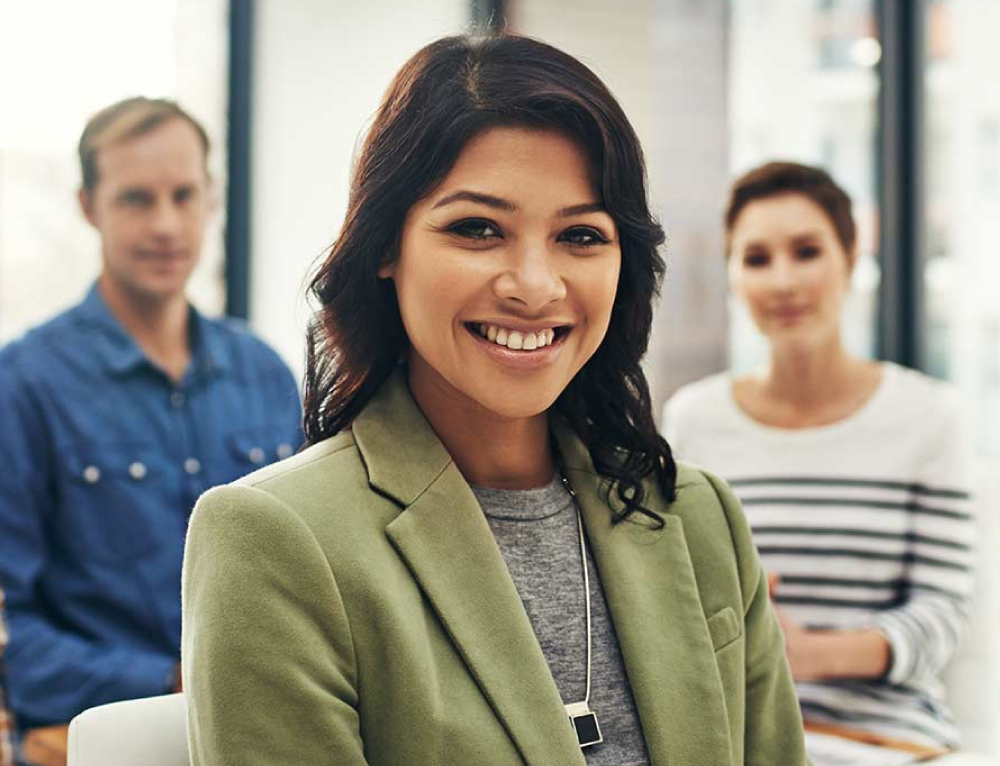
(536,530)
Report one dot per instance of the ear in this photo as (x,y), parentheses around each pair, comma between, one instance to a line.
(388,271)
(86,200)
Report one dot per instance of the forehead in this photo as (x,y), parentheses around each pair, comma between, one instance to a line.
(170,154)
(519,163)
(783,216)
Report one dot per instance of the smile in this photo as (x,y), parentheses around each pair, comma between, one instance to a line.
(517,340)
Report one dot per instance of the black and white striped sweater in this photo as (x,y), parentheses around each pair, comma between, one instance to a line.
(869,523)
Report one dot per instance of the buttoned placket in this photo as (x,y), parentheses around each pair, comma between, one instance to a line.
(190,455)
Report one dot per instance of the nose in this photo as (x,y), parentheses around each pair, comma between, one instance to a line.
(784,275)
(166,218)
(530,277)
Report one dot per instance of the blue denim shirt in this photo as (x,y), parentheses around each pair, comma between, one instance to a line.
(102,457)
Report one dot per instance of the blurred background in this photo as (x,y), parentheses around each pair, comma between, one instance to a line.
(897,99)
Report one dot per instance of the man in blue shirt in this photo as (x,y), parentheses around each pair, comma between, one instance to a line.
(116,415)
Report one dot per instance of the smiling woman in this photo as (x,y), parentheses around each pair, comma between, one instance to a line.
(487,554)
(855,476)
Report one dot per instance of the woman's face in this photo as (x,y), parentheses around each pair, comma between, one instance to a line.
(788,265)
(507,273)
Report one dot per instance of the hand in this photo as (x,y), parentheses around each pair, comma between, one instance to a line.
(46,745)
(773,581)
(806,650)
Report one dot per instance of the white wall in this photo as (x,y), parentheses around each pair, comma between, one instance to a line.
(320,69)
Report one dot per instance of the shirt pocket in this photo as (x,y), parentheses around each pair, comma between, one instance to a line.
(118,502)
(254,447)
(724,627)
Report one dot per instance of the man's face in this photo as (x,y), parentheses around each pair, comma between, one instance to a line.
(150,205)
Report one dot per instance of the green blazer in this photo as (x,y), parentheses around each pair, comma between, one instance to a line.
(350,606)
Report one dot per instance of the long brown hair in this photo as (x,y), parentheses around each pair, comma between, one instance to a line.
(446,94)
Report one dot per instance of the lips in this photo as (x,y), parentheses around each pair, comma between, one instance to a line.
(787,313)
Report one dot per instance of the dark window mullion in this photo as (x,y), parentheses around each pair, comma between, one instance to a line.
(900,181)
(488,14)
(238,192)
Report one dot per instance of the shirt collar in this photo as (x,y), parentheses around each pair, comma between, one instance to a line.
(121,354)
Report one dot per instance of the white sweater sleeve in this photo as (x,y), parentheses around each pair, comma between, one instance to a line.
(925,631)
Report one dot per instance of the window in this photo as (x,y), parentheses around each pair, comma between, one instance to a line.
(961,270)
(59,63)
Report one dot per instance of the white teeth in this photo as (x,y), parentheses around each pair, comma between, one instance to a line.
(515,339)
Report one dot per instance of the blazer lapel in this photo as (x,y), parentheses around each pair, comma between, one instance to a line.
(652,595)
(447,544)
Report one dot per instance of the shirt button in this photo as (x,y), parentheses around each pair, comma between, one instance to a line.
(137,471)
(256,455)
(284,450)
(192,466)
(92,474)
(177,399)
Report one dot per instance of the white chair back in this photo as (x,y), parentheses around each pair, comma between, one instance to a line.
(972,680)
(151,732)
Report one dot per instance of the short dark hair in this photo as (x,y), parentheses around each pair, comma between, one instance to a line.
(776,178)
(445,95)
(127,119)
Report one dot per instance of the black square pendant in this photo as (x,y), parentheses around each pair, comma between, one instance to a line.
(587,730)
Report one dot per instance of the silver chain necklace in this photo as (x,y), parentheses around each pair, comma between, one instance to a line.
(583,719)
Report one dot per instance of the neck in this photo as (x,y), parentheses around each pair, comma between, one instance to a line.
(490,450)
(809,376)
(159,327)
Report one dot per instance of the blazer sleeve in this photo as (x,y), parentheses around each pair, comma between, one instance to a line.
(773,729)
(267,654)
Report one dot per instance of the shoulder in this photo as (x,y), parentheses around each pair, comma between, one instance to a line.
(323,489)
(715,529)
(697,398)
(25,358)
(245,347)
(925,402)
(703,498)
(694,411)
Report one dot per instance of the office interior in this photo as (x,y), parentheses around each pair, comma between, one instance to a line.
(897,99)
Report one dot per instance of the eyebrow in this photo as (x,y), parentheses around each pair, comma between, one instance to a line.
(498,203)
(806,236)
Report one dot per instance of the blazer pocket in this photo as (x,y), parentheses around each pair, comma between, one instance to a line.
(724,628)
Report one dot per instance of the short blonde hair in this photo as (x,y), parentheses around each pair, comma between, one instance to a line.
(124,120)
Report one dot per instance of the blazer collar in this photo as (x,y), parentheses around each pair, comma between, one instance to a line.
(649,583)
(443,536)
(646,573)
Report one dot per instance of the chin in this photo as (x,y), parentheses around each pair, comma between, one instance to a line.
(528,404)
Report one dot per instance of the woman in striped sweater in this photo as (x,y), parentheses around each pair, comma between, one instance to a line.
(854,474)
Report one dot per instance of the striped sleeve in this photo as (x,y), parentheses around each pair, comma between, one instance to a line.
(925,630)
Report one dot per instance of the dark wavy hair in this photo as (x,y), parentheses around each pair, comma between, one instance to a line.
(449,92)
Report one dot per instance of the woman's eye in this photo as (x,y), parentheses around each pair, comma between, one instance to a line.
(807,251)
(583,236)
(756,260)
(475,228)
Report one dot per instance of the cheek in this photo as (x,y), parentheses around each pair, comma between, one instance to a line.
(748,288)
(830,283)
